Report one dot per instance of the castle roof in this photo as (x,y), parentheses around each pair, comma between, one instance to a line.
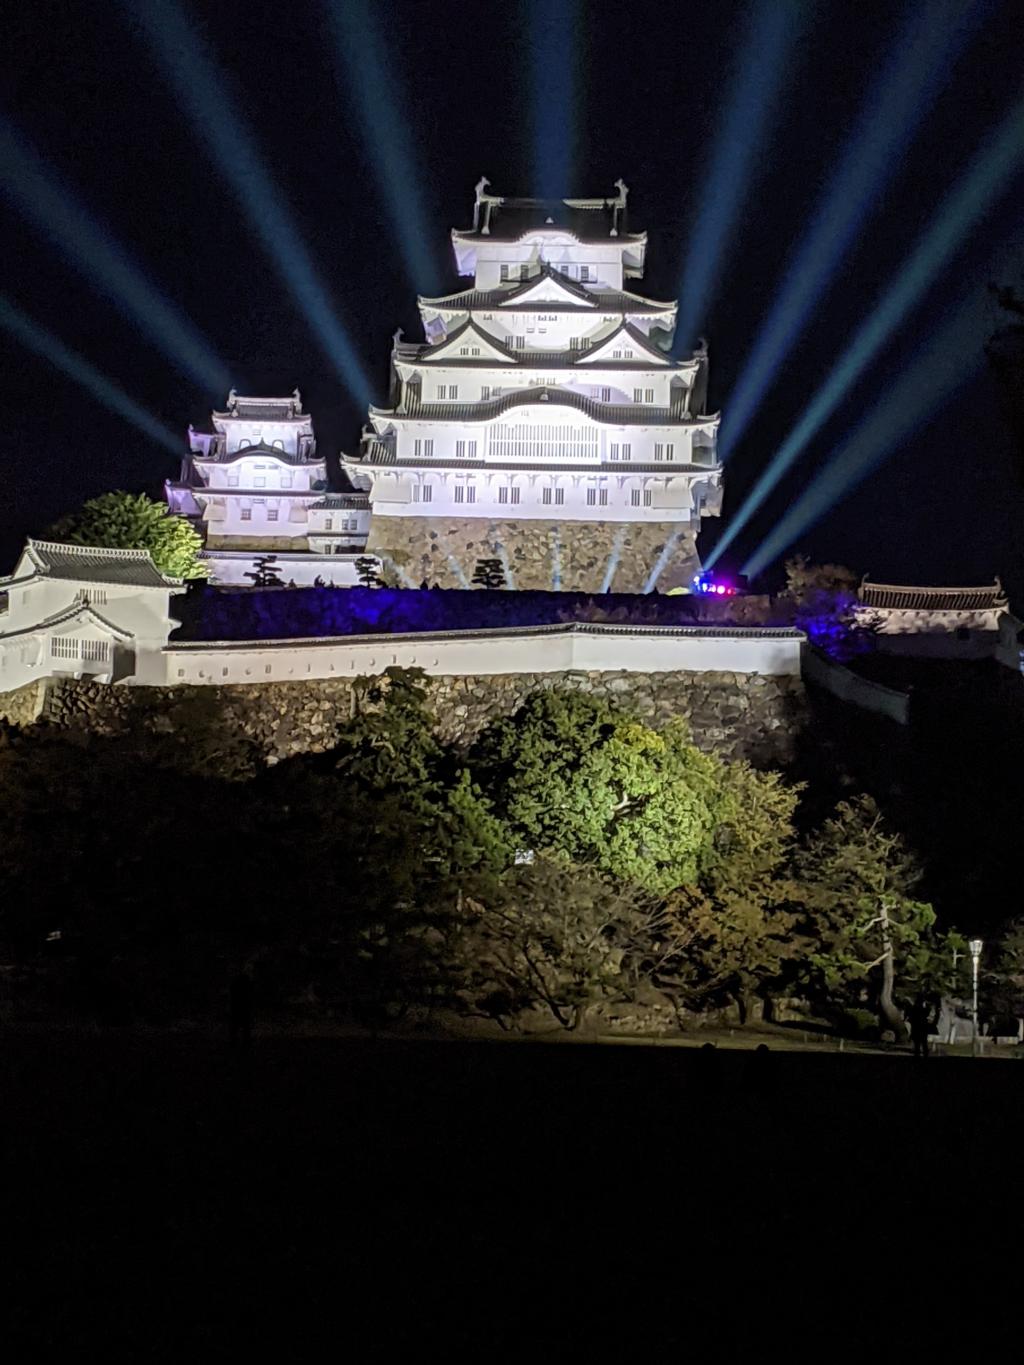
(612,414)
(568,297)
(506,218)
(888,596)
(250,408)
(90,564)
(424,353)
(79,613)
(262,449)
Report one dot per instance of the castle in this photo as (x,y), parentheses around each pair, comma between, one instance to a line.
(543,423)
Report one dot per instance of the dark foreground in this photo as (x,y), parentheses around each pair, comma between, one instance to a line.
(164,1199)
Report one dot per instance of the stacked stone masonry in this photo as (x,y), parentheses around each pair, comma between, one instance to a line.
(573,556)
(736,715)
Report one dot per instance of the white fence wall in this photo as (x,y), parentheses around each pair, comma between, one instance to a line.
(533,649)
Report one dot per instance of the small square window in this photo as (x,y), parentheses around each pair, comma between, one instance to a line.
(271,513)
(247,514)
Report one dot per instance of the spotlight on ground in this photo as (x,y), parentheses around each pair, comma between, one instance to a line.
(746,120)
(43,343)
(710,584)
(613,559)
(39,195)
(935,375)
(376,96)
(553,35)
(556,560)
(201,84)
(970,198)
(919,64)
(662,562)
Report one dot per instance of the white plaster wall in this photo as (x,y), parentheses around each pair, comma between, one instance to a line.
(244,474)
(511,651)
(230,567)
(222,512)
(143,611)
(603,258)
(240,432)
(619,385)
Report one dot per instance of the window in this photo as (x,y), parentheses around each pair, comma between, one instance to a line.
(485,391)
(504,273)
(421,448)
(647,497)
(232,480)
(503,495)
(606,395)
(586,273)
(464,350)
(460,450)
(619,452)
(286,481)
(515,494)
(442,390)
(94,595)
(475,350)
(259,481)
(634,497)
(428,446)
(428,496)
(616,355)
(545,496)
(638,395)
(524,272)
(470,492)
(247,514)
(271,513)
(648,395)
(453,390)
(518,343)
(328,523)
(591,497)
(603,496)
(576,343)
(659,451)
(460,492)
(95,650)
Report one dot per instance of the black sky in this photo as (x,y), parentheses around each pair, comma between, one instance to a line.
(652,82)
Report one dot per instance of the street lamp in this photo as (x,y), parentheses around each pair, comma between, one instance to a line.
(975,946)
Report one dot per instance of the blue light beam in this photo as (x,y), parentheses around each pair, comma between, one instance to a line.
(43,343)
(385,126)
(613,558)
(968,201)
(199,81)
(554,49)
(39,195)
(941,368)
(918,67)
(772,30)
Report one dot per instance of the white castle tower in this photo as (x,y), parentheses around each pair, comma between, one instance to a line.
(258,487)
(544,422)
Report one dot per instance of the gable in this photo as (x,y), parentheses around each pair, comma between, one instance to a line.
(549,289)
(468,339)
(620,346)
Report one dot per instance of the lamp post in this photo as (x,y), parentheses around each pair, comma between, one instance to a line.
(975,946)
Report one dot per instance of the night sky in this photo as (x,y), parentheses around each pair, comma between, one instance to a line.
(652,84)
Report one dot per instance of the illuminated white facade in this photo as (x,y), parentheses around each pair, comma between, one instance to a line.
(258,487)
(76,611)
(547,391)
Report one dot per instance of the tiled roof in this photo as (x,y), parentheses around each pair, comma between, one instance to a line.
(425,353)
(592,300)
(988,597)
(335,501)
(264,451)
(591,220)
(385,455)
(95,564)
(76,611)
(613,414)
(252,408)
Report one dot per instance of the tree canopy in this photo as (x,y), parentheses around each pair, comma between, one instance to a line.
(133,521)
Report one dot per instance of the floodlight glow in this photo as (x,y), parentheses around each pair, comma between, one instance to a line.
(756,83)
(919,63)
(662,562)
(936,374)
(199,81)
(613,559)
(552,27)
(458,571)
(510,581)
(363,59)
(972,195)
(52,349)
(39,196)
(556,560)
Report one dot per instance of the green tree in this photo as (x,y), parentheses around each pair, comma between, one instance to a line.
(550,935)
(367,571)
(733,932)
(576,779)
(822,600)
(857,879)
(133,521)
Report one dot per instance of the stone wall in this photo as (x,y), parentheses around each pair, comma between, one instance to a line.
(746,715)
(289,544)
(571,555)
(25,704)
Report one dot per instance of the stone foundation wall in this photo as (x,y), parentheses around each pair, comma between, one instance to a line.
(25,704)
(292,544)
(737,715)
(573,556)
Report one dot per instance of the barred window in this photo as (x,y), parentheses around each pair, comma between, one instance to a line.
(460,492)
